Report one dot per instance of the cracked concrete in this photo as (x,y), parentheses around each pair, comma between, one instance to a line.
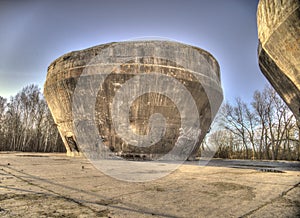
(53,185)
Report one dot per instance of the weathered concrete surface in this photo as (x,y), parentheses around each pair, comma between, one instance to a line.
(279,51)
(54,185)
(194,68)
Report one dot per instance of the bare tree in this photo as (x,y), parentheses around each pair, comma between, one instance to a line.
(279,118)
(261,106)
(240,120)
(2,115)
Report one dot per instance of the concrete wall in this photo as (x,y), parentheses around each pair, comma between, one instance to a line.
(279,51)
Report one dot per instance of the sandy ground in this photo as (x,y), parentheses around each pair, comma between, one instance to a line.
(53,185)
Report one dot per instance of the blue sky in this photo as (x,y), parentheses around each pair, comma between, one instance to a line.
(34,33)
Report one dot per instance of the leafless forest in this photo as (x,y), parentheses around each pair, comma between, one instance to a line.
(26,123)
(265,128)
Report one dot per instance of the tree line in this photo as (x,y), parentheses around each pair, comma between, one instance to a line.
(26,123)
(265,128)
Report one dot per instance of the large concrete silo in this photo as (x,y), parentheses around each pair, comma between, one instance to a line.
(173,85)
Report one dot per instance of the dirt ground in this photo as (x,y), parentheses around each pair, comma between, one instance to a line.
(53,185)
